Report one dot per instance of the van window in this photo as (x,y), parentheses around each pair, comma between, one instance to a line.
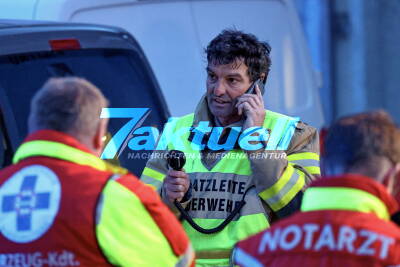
(120,74)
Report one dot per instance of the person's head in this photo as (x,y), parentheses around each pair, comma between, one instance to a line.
(366,143)
(73,106)
(235,60)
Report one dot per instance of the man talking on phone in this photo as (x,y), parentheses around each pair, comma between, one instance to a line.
(245,166)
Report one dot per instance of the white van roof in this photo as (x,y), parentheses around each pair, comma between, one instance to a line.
(174,33)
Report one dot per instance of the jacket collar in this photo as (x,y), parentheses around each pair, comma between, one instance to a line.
(56,136)
(357,182)
(54,144)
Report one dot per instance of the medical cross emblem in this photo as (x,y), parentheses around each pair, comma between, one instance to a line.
(26,202)
(29,203)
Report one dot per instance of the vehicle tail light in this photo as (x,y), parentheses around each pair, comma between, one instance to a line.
(64,44)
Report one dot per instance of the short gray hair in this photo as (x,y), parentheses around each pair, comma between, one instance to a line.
(71,105)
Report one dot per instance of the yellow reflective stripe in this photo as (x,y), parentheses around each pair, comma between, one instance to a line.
(282,181)
(153,174)
(213,254)
(235,231)
(125,239)
(290,194)
(313,170)
(342,198)
(64,152)
(303,155)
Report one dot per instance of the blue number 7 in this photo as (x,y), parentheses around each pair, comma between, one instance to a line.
(120,140)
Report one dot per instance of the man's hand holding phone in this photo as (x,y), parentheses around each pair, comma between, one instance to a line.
(251,105)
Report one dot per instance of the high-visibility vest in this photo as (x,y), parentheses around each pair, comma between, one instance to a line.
(216,191)
(70,224)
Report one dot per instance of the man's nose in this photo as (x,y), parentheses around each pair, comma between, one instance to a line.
(219,88)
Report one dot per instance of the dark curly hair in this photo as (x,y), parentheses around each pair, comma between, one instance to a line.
(231,45)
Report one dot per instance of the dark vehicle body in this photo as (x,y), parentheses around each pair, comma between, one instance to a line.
(31,52)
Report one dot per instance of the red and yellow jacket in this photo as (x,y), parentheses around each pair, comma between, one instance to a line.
(60,205)
(344,221)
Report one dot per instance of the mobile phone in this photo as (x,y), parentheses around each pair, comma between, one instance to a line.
(252,88)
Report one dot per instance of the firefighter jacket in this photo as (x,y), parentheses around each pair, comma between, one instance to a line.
(267,180)
(60,205)
(344,221)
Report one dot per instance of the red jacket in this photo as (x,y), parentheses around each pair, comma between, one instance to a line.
(62,206)
(344,221)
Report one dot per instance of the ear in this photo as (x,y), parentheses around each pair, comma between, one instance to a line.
(98,138)
(396,181)
(391,180)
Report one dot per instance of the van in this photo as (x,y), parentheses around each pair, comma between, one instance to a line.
(33,51)
(174,33)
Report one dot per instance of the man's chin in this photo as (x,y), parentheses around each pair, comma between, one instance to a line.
(221,115)
(218,112)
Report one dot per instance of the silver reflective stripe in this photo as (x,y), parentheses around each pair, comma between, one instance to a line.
(187,258)
(214,195)
(149,180)
(99,209)
(306,162)
(288,186)
(99,206)
(244,259)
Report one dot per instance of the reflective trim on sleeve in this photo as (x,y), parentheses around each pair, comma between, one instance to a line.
(283,180)
(290,194)
(308,160)
(303,155)
(280,194)
(153,174)
(313,170)
(155,184)
(244,259)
